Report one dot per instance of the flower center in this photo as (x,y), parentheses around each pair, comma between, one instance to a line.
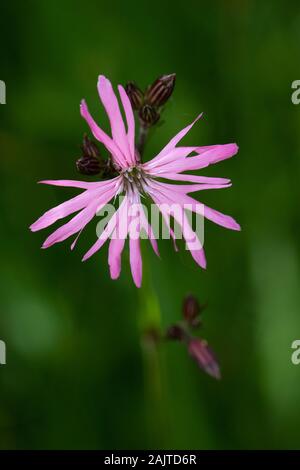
(134,177)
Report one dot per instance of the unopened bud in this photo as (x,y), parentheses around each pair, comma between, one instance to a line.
(190,307)
(135,95)
(191,310)
(89,148)
(148,115)
(160,91)
(175,332)
(88,166)
(89,163)
(204,356)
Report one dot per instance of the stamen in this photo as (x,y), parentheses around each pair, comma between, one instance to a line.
(134,179)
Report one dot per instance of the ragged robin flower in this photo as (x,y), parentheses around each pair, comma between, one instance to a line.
(136,179)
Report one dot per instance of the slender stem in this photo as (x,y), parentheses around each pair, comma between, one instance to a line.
(143,133)
(150,328)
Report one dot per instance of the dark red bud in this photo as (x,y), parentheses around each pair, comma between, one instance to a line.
(148,116)
(88,166)
(89,148)
(204,356)
(175,332)
(160,91)
(135,95)
(191,309)
(108,169)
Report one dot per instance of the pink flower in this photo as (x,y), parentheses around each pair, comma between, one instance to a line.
(204,356)
(135,179)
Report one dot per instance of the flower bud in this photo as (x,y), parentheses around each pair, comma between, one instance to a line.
(89,163)
(135,95)
(88,166)
(204,356)
(89,148)
(175,332)
(148,116)
(160,91)
(190,308)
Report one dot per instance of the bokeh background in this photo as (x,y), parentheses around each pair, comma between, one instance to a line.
(77,375)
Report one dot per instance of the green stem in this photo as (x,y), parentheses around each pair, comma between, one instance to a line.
(150,328)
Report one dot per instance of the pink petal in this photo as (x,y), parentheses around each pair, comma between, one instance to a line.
(142,220)
(135,261)
(111,105)
(75,204)
(189,188)
(152,238)
(221,219)
(148,229)
(183,199)
(130,122)
(199,257)
(210,157)
(174,240)
(173,142)
(171,231)
(193,243)
(75,241)
(78,222)
(192,178)
(117,217)
(134,241)
(63,210)
(71,183)
(205,148)
(100,135)
(116,247)
(176,154)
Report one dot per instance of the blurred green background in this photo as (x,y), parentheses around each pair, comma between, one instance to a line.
(76,376)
